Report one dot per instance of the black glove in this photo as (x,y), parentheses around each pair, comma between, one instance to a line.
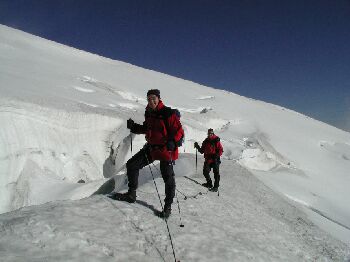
(217,159)
(170,145)
(196,145)
(130,123)
(213,156)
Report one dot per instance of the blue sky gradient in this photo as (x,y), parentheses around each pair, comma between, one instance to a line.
(291,53)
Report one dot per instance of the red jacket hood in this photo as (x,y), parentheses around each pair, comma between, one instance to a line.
(212,137)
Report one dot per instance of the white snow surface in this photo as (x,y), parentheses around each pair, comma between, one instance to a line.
(284,178)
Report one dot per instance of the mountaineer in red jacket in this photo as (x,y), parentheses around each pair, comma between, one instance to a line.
(163,132)
(212,150)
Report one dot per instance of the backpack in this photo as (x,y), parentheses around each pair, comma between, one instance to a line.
(167,112)
(182,139)
(213,142)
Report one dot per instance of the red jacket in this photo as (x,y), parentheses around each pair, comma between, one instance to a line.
(160,126)
(211,148)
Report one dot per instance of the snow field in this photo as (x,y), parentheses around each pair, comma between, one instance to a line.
(246,222)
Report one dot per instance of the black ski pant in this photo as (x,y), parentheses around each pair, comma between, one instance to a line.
(142,159)
(206,170)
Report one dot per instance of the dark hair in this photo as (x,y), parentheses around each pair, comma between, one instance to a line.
(210,130)
(155,92)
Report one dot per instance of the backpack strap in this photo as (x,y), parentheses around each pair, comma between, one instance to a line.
(165,113)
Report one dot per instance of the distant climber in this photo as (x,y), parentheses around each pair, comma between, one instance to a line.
(212,150)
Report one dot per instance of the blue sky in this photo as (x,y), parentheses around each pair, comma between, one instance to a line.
(292,53)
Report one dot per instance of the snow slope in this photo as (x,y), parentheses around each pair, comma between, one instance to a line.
(247,222)
(63,114)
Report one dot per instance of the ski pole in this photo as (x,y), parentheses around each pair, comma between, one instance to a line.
(178,204)
(196,160)
(166,222)
(181,224)
(131,142)
(181,194)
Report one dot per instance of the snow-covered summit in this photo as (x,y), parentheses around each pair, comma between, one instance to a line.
(63,115)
